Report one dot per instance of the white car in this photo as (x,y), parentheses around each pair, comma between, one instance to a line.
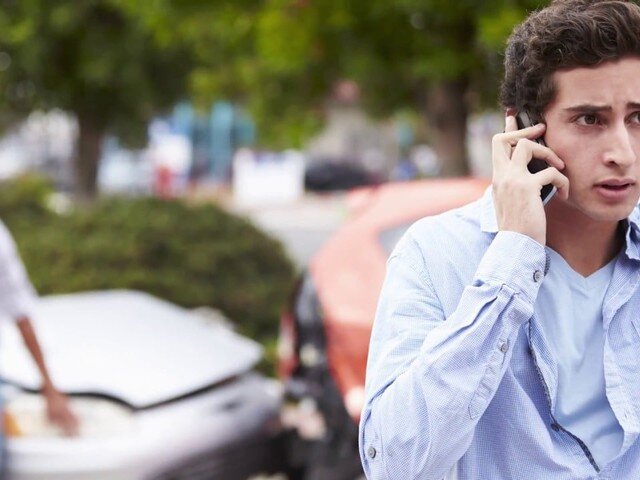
(161,393)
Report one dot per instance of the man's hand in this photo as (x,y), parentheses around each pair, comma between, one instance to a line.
(516,191)
(59,411)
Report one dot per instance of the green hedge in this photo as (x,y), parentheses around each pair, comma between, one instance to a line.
(190,255)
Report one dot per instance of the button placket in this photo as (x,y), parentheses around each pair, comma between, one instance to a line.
(537,276)
(371,452)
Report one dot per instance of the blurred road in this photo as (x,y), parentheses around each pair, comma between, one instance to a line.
(303,226)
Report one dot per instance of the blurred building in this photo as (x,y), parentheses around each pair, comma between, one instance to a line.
(44,141)
(480,130)
(183,147)
(267,178)
(214,136)
(350,137)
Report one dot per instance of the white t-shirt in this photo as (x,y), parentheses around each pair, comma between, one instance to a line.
(17,295)
(569,308)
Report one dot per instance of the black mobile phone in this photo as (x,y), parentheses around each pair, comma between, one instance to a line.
(536,164)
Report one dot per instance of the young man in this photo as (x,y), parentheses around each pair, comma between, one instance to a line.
(507,339)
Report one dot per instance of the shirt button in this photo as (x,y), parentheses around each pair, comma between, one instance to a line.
(537,276)
(371,452)
(555,427)
(504,347)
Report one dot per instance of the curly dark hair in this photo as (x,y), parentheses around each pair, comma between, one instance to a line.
(566,34)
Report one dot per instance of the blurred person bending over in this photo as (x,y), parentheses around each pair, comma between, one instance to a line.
(17,297)
(506,343)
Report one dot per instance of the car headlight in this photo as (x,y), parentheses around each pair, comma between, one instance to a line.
(26,416)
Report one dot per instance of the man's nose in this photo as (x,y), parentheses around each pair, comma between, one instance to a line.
(623,147)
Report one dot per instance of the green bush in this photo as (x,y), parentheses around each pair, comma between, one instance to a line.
(25,200)
(190,255)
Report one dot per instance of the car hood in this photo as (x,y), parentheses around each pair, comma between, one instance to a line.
(126,345)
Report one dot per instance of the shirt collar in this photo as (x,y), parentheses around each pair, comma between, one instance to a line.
(489,224)
(632,235)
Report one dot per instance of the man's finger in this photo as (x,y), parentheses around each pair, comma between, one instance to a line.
(505,142)
(528,149)
(552,175)
(512,137)
(510,123)
(68,424)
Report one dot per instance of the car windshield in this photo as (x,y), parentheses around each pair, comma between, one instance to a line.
(388,238)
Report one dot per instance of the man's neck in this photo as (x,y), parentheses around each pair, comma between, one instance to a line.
(586,245)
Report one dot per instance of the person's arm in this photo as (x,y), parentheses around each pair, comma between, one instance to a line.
(430,378)
(17,298)
(58,410)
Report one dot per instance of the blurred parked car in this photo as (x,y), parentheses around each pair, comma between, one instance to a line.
(325,333)
(326,176)
(161,393)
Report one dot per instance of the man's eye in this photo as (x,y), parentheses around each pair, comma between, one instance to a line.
(635,117)
(587,119)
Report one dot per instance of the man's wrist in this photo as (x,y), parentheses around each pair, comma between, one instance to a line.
(48,387)
(516,260)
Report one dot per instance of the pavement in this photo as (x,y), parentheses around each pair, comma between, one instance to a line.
(302,226)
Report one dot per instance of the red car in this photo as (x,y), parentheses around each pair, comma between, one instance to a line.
(325,333)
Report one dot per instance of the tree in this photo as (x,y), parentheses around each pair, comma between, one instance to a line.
(443,57)
(282,58)
(93,59)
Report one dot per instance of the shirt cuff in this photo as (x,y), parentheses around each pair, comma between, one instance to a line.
(515,260)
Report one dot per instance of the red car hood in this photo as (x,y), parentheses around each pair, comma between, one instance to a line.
(349,270)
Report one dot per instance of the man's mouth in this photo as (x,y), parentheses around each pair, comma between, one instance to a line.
(616,182)
(615,187)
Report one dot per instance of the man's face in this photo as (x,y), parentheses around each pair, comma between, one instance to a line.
(593,124)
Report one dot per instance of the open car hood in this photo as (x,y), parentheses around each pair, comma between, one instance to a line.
(126,345)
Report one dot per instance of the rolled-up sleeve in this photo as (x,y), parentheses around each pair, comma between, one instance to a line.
(17,295)
(429,376)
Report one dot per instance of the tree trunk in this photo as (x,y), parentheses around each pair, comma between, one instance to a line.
(447,115)
(89,149)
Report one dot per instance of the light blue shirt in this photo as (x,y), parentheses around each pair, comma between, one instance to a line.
(569,307)
(461,378)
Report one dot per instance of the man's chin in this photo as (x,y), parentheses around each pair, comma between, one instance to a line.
(610,213)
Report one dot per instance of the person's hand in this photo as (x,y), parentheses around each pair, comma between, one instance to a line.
(516,191)
(59,412)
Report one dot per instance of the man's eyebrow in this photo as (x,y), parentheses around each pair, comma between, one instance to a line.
(588,108)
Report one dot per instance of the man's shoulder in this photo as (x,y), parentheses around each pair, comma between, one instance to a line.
(458,226)
(452,239)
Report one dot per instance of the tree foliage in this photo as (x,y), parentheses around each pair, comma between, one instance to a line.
(93,59)
(282,57)
(119,60)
